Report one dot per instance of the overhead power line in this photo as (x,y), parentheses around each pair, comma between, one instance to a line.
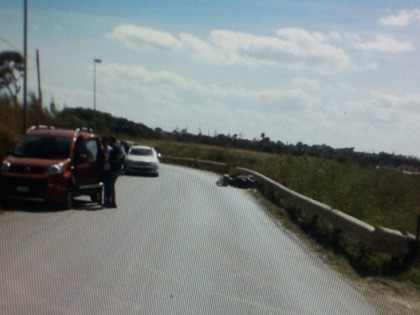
(4,40)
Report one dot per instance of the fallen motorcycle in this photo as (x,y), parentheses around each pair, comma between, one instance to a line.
(238,181)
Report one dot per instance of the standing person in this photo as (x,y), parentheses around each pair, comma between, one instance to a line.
(115,160)
(106,169)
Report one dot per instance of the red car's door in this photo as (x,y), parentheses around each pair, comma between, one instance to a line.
(88,168)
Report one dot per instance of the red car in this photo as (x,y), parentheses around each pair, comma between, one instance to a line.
(54,166)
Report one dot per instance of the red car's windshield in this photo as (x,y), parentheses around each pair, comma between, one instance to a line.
(43,147)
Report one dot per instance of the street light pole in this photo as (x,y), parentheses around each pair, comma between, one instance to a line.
(95,61)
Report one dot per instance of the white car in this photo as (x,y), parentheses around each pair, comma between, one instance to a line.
(142,159)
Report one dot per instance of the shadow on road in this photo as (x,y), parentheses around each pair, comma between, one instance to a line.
(37,207)
(140,174)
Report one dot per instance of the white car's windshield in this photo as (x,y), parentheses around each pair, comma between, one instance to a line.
(142,152)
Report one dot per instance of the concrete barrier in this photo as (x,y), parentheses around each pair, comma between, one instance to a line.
(379,239)
(393,242)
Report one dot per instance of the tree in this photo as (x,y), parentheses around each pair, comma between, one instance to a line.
(11,70)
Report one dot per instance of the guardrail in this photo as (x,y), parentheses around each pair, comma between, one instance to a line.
(380,239)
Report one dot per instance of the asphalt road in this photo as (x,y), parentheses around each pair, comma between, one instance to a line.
(177,244)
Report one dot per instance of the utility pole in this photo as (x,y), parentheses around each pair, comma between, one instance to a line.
(39,80)
(417,251)
(25,65)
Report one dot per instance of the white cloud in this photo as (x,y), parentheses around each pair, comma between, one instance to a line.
(306,83)
(381,108)
(290,48)
(199,49)
(384,43)
(172,88)
(166,99)
(142,38)
(402,18)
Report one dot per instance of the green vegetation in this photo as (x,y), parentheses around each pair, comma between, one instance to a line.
(11,70)
(370,187)
(380,196)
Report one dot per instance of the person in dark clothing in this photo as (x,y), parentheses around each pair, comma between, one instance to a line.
(115,160)
(105,169)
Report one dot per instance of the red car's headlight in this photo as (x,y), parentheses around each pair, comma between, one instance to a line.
(56,169)
(5,166)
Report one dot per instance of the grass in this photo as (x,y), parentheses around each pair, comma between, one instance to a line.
(391,293)
(381,197)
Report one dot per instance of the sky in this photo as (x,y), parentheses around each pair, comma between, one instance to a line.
(340,73)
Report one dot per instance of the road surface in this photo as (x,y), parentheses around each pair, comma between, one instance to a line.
(177,244)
